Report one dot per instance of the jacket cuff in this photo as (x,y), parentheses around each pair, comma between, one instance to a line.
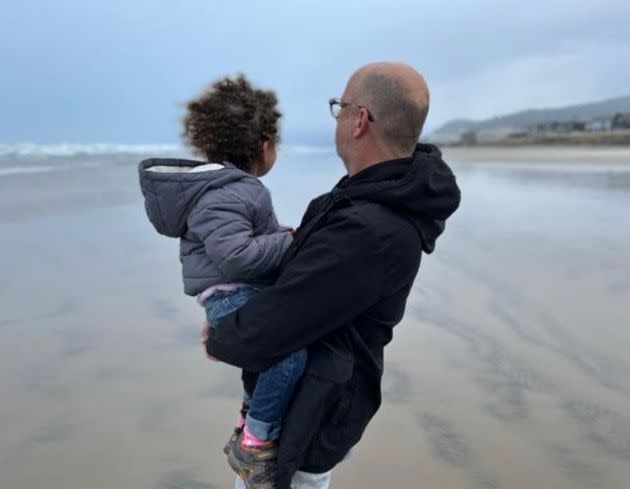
(288,239)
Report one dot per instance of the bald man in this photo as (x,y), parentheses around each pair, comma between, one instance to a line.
(344,282)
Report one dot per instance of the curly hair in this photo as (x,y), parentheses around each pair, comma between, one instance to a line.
(230,121)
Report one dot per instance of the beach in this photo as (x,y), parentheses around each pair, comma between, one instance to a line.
(537,154)
(510,369)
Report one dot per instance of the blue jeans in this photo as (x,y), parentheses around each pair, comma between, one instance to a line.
(274,386)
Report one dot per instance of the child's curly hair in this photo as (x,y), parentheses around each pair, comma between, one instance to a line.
(230,121)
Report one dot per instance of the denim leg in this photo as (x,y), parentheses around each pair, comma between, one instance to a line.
(274,386)
(272,394)
(222,303)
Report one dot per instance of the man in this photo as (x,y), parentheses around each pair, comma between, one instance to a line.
(344,282)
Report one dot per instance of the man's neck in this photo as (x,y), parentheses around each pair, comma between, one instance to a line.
(372,158)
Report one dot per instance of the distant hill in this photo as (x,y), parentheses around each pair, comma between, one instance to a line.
(502,125)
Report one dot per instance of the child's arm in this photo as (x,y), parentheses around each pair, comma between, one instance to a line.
(225,228)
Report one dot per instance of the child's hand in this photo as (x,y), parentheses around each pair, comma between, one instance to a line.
(204,339)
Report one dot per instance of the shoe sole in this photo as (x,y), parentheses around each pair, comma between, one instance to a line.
(238,468)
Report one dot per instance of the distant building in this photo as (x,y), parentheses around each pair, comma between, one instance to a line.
(518,134)
(543,127)
(599,125)
(560,127)
(621,121)
(468,138)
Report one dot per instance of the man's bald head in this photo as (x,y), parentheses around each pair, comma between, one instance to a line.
(398,98)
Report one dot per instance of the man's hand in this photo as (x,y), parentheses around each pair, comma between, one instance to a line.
(204,340)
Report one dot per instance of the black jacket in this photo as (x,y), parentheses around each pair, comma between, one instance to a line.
(341,289)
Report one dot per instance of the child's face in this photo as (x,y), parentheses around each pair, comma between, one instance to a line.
(268,158)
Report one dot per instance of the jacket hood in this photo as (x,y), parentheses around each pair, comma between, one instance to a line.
(172,187)
(421,187)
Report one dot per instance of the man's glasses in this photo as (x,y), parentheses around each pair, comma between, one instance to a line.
(336,105)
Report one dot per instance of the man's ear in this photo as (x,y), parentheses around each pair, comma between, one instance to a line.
(361,123)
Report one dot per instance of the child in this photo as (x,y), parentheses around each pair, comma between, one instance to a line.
(230,242)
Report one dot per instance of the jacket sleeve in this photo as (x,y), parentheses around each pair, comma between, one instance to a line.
(337,274)
(225,227)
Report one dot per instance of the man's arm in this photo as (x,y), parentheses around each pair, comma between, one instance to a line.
(337,274)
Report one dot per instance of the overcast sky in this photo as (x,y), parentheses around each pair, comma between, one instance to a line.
(119,71)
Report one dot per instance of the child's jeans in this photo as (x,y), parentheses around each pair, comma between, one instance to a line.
(275,385)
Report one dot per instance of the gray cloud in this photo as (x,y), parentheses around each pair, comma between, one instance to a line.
(119,71)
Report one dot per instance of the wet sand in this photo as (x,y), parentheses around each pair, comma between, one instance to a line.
(535,154)
(510,369)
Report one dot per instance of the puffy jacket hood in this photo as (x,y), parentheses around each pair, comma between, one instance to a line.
(172,187)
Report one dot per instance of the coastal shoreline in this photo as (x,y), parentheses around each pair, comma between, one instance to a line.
(538,154)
